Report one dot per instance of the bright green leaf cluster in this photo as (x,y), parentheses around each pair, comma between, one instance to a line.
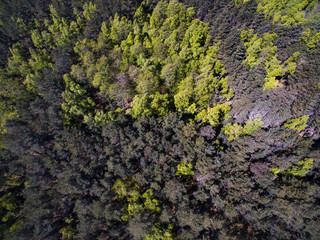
(215,114)
(158,63)
(158,232)
(11,202)
(303,167)
(287,12)
(298,124)
(184,169)
(258,50)
(128,189)
(8,202)
(67,232)
(240,2)
(275,170)
(275,70)
(28,65)
(88,10)
(311,38)
(252,126)
(9,210)
(77,103)
(234,131)
(59,32)
(148,105)
(130,192)
(14,180)
(11,91)
(5,115)
(262,50)
(54,32)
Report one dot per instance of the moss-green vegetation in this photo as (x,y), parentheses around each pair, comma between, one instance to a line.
(262,50)
(129,192)
(10,203)
(300,170)
(234,131)
(258,50)
(77,104)
(240,2)
(158,63)
(67,232)
(275,70)
(6,114)
(286,12)
(276,170)
(153,65)
(304,166)
(14,180)
(158,232)
(184,169)
(298,124)
(11,92)
(114,121)
(311,38)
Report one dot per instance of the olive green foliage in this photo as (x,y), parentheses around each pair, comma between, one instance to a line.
(275,70)
(58,31)
(122,129)
(128,189)
(7,113)
(298,124)
(88,10)
(234,131)
(50,34)
(11,92)
(258,50)
(286,12)
(28,64)
(14,180)
(240,2)
(129,192)
(311,38)
(160,62)
(215,114)
(303,167)
(262,50)
(184,169)
(158,232)
(53,32)
(67,232)
(10,202)
(77,104)
(275,170)
(252,126)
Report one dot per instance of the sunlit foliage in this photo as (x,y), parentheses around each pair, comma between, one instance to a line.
(262,50)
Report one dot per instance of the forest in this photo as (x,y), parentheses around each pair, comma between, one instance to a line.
(159,119)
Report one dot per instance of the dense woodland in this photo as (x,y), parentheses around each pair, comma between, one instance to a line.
(191,119)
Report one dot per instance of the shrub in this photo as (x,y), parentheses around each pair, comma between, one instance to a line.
(298,124)
(184,169)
